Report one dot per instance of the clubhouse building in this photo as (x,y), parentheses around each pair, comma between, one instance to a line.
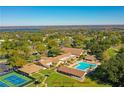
(72,72)
(69,54)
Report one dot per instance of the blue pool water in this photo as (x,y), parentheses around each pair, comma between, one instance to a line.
(84,66)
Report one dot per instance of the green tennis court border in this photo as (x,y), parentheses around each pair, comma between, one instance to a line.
(28,79)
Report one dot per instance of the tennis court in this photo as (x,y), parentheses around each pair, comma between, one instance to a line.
(13,79)
(3,84)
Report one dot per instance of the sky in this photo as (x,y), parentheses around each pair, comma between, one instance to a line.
(60,15)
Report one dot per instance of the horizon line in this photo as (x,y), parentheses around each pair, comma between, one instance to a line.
(62,25)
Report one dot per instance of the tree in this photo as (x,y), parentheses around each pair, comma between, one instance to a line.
(109,53)
(122,39)
(112,71)
(66,42)
(54,52)
(52,44)
(17,61)
(41,48)
(101,42)
(78,41)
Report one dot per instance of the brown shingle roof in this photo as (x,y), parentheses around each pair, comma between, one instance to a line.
(46,61)
(30,68)
(74,51)
(71,71)
(91,58)
(62,56)
(69,53)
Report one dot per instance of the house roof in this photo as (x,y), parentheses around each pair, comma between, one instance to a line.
(71,71)
(46,61)
(30,68)
(90,57)
(65,56)
(69,53)
(74,51)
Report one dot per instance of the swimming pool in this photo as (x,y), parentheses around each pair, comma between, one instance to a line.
(84,66)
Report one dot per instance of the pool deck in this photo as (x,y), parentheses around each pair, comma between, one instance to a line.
(87,70)
(74,64)
(91,62)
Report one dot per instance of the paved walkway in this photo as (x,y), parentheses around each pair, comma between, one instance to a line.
(43,82)
(58,64)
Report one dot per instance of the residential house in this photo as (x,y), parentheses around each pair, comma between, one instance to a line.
(46,62)
(65,57)
(74,51)
(90,58)
(72,72)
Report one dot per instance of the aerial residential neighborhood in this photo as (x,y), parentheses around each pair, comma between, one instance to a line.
(62,46)
(67,64)
(50,63)
(62,64)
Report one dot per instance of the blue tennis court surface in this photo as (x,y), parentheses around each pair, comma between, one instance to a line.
(13,79)
(3,84)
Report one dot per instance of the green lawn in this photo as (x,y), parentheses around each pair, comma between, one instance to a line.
(56,79)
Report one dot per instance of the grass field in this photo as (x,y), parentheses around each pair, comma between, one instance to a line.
(56,79)
(21,79)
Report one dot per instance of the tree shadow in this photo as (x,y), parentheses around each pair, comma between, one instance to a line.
(95,78)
